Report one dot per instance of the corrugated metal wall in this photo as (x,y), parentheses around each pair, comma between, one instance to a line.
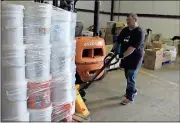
(168,27)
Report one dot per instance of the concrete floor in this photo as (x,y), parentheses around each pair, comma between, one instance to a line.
(157,99)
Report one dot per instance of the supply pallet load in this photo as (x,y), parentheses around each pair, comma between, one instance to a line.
(62,64)
(13,82)
(158,53)
(38,66)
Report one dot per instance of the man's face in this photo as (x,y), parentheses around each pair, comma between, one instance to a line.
(131,21)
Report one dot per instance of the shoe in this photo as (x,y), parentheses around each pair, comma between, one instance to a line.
(125,102)
(134,94)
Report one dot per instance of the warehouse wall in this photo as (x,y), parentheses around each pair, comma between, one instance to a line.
(88,18)
(168,27)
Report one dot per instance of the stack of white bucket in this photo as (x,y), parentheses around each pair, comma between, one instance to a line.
(13,83)
(37,23)
(63,64)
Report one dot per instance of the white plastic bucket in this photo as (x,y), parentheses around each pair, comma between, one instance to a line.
(64,82)
(13,75)
(13,55)
(61,64)
(14,92)
(12,36)
(12,15)
(37,9)
(12,24)
(62,96)
(63,51)
(40,115)
(37,35)
(37,63)
(14,101)
(22,118)
(61,111)
(37,23)
(61,32)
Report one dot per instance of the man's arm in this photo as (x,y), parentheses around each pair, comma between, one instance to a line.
(135,43)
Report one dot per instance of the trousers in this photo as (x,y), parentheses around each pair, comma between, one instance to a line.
(131,75)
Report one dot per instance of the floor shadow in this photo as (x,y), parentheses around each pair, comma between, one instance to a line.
(105,106)
(95,102)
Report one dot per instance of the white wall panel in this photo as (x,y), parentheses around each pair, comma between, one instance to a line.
(134,6)
(85,5)
(104,5)
(88,19)
(148,7)
(167,27)
(166,7)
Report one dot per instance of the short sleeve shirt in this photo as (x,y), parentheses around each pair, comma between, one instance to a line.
(134,38)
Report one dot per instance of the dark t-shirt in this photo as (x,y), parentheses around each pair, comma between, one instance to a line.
(134,38)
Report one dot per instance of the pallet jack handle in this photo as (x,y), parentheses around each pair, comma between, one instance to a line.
(107,62)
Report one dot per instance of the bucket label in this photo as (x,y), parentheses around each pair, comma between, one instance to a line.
(40,97)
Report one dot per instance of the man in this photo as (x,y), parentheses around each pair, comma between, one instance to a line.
(131,40)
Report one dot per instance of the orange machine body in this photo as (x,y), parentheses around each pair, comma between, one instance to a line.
(90,54)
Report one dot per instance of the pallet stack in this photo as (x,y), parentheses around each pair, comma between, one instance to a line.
(37,24)
(63,64)
(13,82)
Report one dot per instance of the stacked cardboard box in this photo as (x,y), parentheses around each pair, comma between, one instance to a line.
(153,58)
(108,34)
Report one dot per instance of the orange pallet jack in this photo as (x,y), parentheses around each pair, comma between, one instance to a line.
(82,112)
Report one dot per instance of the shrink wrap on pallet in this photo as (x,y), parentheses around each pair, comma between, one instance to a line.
(13,82)
(62,64)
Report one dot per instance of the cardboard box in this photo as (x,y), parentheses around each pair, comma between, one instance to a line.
(156,37)
(153,58)
(166,56)
(109,39)
(148,45)
(158,44)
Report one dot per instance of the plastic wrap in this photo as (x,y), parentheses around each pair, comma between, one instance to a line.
(62,111)
(37,23)
(38,63)
(39,94)
(13,64)
(12,24)
(13,82)
(40,115)
(14,101)
(46,61)
(62,64)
